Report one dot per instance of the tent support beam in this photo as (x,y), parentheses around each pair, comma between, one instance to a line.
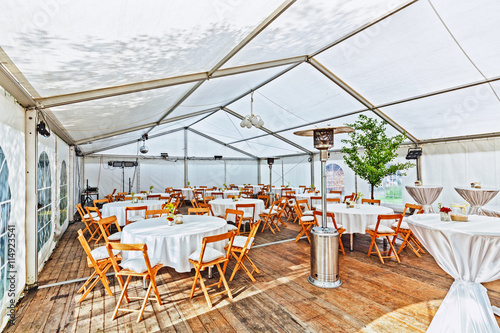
(186,178)
(221,143)
(323,70)
(237,115)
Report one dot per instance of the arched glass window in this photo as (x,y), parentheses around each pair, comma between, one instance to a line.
(334,178)
(63,194)
(5,206)
(44,200)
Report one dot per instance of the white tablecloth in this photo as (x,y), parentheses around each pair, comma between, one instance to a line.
(172,245)
(255,188)
(477,197)
(187,193)
(470,253)
(308,196)
(425,195)
(118,208)
(219,206)
(491,211)
(355,220)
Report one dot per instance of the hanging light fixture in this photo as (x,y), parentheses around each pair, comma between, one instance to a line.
(144,149)
(252,119)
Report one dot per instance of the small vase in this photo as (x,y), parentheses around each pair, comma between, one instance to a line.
(444,216)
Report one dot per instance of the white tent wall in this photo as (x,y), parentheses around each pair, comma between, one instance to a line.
(209,173)
(160,174)
(12,203)
(460,163)
(241,172)
(107,178)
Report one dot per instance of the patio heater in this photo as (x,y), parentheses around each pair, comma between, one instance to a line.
(324,240)
(270,162)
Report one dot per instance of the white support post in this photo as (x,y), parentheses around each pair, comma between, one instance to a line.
(31,209)
(312,169)
(259,176)
(71,184)
(186,157)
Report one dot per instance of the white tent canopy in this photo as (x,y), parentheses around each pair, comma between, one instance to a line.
(106,73)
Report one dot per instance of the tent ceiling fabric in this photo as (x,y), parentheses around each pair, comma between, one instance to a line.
(380,51)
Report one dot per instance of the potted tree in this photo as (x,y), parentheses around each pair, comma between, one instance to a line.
(369,150)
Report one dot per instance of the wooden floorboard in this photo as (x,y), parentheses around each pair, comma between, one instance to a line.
(374,297)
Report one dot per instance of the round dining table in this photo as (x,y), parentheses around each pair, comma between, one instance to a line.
(118,208)
(172,245)
(425,195)
(477,197)
(355,220)
(144,195)
(219,206)
(470,253)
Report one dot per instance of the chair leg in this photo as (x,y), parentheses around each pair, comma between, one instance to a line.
(205,291)
(221,272)
(379,254)
(120,300)
(193,289)
(146,298)
(392,248)
(341,245)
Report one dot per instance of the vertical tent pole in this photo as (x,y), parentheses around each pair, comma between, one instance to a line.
(185,156)
(31,209)
(71,184)
(312,169)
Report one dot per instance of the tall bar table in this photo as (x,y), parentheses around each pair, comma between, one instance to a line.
(425,195)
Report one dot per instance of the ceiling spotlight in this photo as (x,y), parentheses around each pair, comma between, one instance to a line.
(144,149)
(164,155)
(252,119)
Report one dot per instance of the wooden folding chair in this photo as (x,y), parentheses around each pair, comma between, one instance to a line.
(348,198)
(110,198)
(207,206)
(90,225)
(140,267)
(406,234)
(240,249)
(218,195)
(338,227)
(208,256)
(250,217)
(169,189)
(180,197)
(332,200)
(306,223)
(152,213)
(153,197)
(98,259)
(380,230)
(280,209)
(98,203)
(304,205)
(238,217)
(194,203)
(95,216)
(264,198)
(105,224)
(269,216)
(198,211)
(370,201)
(209,198)
(316,200)
(135,217)
(336,192)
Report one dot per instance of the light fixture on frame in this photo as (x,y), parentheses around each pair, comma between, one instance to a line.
(252,119)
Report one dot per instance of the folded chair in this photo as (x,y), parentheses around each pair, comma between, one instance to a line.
(306,223)
(240,249)
(95,216)
(238,218)
(99,259)
(140,267)
(208,256)
(380,230)
(247,216)
(135,218)
(370,201)
(198,211)
(269,216)
(152,213)
(90,225)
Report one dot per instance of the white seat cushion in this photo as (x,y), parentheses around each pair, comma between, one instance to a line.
(209,255)
(247,215)
(404,225)
(266,211)
(135,218)
(138,265)
(101,253)
(307,218)
(116,236)
(308,212)
(93,214)
(231,227)
(381,228)
(239,241)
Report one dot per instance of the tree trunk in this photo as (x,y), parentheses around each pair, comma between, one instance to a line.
(373,187)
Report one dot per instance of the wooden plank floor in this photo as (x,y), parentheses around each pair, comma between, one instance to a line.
(373,297)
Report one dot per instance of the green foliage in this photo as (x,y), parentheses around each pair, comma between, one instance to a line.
(369,150)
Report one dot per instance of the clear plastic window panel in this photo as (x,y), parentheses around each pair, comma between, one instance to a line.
(462,112)
(220,91)
(199,146)
(63,194)
(308,26)
(409,54)
(64,47)
(267,146)
(44,200)
(5,209)
(299,96)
